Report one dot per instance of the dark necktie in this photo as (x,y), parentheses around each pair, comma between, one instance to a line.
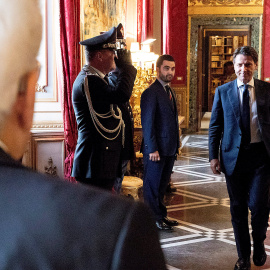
(168,90)
(245,116)
(169,93)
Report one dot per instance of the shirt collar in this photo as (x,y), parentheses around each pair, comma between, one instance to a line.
(100,74)
(250,83)
(3,146)
(163,83)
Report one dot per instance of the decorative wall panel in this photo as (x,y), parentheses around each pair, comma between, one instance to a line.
(46,153)
(181,95)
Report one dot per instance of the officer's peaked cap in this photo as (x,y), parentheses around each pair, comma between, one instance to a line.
(104,41)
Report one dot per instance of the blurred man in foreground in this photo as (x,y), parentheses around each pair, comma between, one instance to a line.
(47,223)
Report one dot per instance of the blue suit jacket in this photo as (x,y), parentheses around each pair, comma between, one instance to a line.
(159,121)
(47,223)
(225,131)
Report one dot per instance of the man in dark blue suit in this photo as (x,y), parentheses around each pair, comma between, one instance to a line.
(160,139)
(239,146)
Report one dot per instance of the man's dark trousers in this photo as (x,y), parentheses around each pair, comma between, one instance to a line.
(248,187)
(156,178)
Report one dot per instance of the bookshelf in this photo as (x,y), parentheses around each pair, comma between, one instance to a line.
(221,50)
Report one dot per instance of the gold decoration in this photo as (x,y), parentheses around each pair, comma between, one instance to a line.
(40,88)
(144,78)
(132,187)
(51,169)
(137,140)
(225,2)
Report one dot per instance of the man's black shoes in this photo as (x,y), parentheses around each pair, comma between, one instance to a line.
(166,224)
(171,188)
(259,254)
(242,264)
(170,222)
(163,226)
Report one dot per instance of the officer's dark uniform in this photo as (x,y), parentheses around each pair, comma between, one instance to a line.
(127,152)
(97,155)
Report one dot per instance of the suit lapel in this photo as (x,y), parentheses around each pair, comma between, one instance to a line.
(233,97)
(261,97)
(164,95)
(259,93)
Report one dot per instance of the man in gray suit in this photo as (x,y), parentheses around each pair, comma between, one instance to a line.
(239,146)
(48,223)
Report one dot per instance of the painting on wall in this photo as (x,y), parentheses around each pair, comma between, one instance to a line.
(101,15)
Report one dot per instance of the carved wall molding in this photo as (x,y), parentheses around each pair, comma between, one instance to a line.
(50,169)
(182,103)
(40,88)
(48,126)
(225,2)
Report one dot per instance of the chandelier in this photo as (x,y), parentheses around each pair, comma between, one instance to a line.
(145,62)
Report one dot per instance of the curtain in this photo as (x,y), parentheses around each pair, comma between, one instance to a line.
(165,27)
(175,35)
(144,20)
(70,52)
(266,41)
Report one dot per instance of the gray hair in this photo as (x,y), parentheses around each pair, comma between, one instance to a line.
(20,35)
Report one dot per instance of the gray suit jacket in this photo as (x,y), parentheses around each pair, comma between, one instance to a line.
(47,224)
(225,131)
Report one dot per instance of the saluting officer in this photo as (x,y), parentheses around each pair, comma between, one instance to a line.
(101,129)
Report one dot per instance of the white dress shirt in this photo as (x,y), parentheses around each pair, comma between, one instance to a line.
(3,146)
(100,74)
(254,123)
(163,84)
